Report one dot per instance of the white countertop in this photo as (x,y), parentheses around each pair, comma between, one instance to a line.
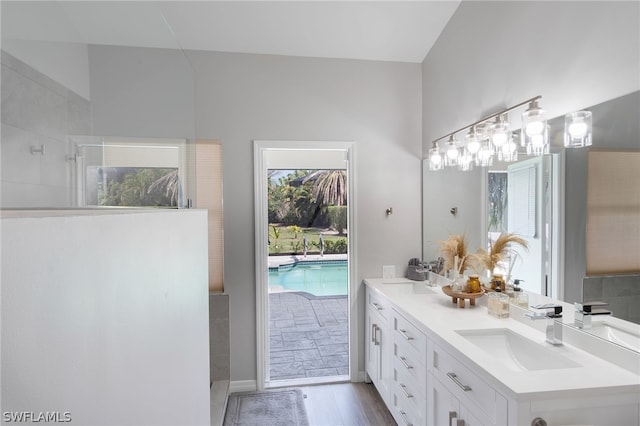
(439,318)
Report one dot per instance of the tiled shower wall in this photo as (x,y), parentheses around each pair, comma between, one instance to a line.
(622,293)
(37,111)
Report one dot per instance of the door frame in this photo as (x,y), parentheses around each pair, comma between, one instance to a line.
(261,231)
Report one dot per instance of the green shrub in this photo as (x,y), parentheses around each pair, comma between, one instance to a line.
(335,247)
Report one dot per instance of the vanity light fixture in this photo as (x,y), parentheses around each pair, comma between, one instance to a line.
(499,130)
(578,129)
(435,158)
(465,161)
(535,131)
(452,151)
(509,152)
(473,141)
(489,136)
(485,154)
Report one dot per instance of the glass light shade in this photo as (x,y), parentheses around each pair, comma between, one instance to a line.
(578,129)
(435,159)
(465,161)
(485,154)
(535,132)
(499,133)
(473,142)
(508,152)
(451,152)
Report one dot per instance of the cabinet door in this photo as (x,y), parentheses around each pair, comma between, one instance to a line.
(373,345)
(442,406)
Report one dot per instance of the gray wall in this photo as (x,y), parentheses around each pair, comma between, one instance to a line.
(36,110)
(141,92)
(493,55)
(240,98)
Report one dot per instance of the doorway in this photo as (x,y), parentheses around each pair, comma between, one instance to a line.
(305,236)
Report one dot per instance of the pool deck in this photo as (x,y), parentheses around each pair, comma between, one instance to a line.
(309,335)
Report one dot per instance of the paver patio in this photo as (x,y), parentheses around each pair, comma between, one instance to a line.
(309,335)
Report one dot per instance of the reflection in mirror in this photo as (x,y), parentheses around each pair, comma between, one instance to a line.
(563,204)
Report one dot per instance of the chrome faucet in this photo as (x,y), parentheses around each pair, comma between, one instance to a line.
(584,312)
(551,314)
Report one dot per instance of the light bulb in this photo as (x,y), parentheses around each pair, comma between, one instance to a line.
(435,159)
(499,139)
(534,128)
(473,146)
(499,131)
(578,129)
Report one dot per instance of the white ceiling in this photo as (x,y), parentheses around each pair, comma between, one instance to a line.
(378,30)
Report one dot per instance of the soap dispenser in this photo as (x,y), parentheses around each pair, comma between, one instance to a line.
(498,304)
(520,298)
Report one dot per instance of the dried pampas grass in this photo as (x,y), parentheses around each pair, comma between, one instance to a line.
(500,250)
(456,245)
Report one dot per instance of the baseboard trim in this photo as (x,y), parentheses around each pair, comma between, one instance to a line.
(360,376)
(243,386)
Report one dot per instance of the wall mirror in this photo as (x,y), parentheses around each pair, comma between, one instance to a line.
(560,270)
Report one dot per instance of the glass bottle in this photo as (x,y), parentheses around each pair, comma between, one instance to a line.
(498,304)
(497,282)
(520,298)
(473,284)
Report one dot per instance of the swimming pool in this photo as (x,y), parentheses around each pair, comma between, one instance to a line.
(320,278)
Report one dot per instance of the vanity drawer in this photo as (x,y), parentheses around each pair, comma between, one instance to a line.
(409,338)
(406,359)
(378,303)
(461,381)
(412,386)
(407,411)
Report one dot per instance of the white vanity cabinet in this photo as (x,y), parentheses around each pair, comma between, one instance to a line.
(409,363)
(428,373)
(457,392)
(378,343)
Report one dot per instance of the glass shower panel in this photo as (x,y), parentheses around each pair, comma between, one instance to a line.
(66,87)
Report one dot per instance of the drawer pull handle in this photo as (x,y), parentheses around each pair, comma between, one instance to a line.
(404,362)
(404,390)
(404,417)
(377,307)
(457,381)
(405,335)
(373,333)
(454,420)
(378,337)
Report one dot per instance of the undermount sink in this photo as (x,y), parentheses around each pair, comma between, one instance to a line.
(626,338)
(516,352)
(406,286)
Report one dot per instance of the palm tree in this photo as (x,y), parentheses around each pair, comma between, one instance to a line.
(330,186)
